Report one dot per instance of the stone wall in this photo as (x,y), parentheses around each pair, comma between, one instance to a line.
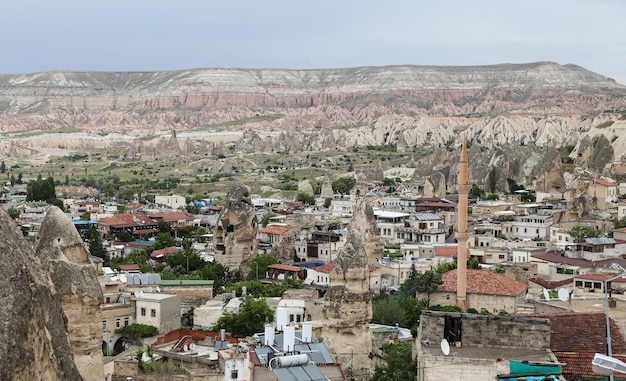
(437,368)
(493,304)
(490,330)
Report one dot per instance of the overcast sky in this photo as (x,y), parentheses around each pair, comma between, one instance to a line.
(147,35)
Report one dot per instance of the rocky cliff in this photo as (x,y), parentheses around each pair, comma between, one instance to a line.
(64,257)
(34,342)
(538,105)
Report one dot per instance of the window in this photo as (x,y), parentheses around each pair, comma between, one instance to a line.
(126,321)
(233,374)
(118,322)
(143,311)
(452,329)
(104,325)
(579,283)
(152,312)
(500,256)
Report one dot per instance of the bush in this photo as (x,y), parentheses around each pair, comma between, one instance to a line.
(140,330)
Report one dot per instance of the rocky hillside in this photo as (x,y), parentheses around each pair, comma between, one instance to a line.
(539,105)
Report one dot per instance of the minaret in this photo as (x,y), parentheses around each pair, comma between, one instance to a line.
(461,234)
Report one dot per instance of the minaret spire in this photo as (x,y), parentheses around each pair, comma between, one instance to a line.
(461,234)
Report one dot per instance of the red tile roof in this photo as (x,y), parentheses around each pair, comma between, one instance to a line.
(284,267)
(582,332)
(163,252)
(327,268)
(484,282)
(552,285)
(600,278)
(133,267)
(579,364)
(173,216)
(447,251)
(276,229)
(577,336)
(555,258)
(125,219)
(605,183)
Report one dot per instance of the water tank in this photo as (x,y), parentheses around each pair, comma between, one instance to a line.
(293,360)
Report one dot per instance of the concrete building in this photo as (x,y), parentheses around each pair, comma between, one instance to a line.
(472,347)
(172,202)
(158,310)
(389,224)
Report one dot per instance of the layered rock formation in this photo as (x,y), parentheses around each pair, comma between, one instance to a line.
(416,108)
(34,342)
(63,255)
(235,231)
(347,304)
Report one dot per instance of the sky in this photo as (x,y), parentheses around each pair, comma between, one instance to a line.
(151,35)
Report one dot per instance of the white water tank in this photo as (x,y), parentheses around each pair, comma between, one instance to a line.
(293,360)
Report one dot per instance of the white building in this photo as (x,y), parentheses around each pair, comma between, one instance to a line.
(158,310)
(172,202)
(530,227)
(389,223)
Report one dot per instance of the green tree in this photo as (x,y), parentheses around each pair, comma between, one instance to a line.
(13,213)
(401,365)
(579,233)
(259,265)
(492,196)
(95,244)
(343,185)
(475,191)
(305,198)
(427,283)
(327,202)
(252,316)
(40,190)
(266,219)
(389,311)
(136,331)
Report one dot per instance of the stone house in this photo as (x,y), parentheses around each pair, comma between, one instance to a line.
(528,227)
(423,228)
(273,234)
(473,347)
(487,291)
(116,312)
(389,224)
(553,267)
(603,192)
(159,310)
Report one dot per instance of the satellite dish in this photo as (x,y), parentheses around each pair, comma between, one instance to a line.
(546,294)
(158,289)
(192,346)
(185,348)
(563,294)
(445,347)
(149,289)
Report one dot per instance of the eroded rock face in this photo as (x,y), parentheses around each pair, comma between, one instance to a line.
(34,342)
(235,230)
(347,308)
(63,255)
